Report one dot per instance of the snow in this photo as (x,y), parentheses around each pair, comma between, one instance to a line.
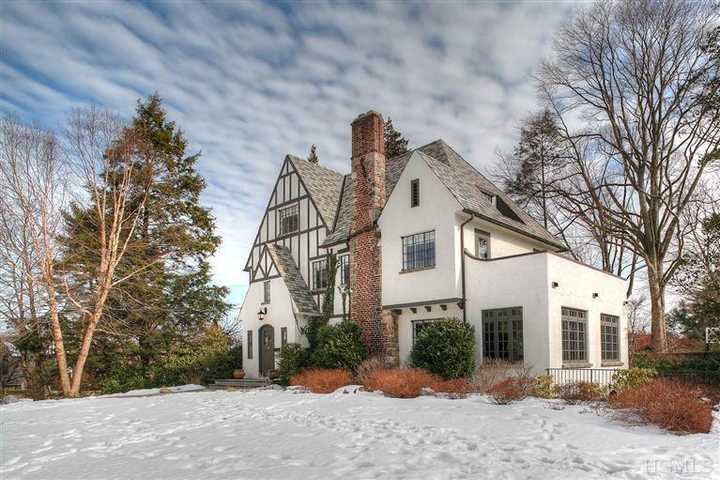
(270,434)
(146,392)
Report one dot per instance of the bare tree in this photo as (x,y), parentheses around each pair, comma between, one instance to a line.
(33,193)
(637,77)
(550,174)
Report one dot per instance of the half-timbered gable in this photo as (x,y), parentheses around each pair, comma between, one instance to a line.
(299,214)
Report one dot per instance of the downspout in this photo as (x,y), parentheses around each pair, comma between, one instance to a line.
(462,266)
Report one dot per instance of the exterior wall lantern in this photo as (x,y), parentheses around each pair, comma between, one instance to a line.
(261,313)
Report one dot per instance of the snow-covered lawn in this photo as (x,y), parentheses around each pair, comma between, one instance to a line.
(280,435)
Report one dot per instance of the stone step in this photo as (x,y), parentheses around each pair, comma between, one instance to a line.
(239,383)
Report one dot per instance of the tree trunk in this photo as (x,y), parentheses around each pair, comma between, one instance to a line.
(57,332)
(657,309)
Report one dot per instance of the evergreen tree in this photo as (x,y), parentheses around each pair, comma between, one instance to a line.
(395,143)
(172,299)
(537,153)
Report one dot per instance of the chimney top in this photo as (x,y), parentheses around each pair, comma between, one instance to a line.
(368,114)
(368,134)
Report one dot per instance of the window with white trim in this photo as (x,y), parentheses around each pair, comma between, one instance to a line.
(609,337)
(289,219)
(418,251)
(574,335)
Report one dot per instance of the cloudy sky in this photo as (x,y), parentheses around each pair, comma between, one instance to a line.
(250,82)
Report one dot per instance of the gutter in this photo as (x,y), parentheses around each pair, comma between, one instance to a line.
(462,265)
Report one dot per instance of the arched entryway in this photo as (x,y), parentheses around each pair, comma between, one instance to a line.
(266,337)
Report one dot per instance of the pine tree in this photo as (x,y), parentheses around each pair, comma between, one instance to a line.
(395,143)
(537,153)
(173,297)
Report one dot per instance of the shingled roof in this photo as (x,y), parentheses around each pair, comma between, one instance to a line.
(299,291)
(323,185)
(470,188)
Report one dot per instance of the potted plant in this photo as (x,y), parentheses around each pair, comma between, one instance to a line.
(238,374)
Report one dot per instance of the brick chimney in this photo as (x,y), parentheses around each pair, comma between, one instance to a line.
(368,197)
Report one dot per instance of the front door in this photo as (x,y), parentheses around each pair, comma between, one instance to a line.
(267,349)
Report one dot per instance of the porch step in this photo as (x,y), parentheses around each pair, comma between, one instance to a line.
(244,383)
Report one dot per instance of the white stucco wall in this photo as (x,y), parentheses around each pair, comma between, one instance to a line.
(576,285)
(279,314)
(436,212)
(526,281)
(512,282)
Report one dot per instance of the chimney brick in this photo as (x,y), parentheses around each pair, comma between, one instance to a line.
(368,197)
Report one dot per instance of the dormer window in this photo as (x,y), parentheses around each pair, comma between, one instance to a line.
(289,219)
(415,192)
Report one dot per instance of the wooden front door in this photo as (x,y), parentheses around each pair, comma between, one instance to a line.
(267,349)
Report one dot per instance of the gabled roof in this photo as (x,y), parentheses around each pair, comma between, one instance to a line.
(323,185)
(299,291)
(470,188)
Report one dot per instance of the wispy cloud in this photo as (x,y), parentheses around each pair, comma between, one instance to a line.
(249,82)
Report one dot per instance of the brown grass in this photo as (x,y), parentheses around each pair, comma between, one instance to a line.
(669,404)
(323,380)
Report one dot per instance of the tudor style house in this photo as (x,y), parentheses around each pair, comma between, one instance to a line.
(420,237)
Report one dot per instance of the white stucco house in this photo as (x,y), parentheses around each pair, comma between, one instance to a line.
(420,237)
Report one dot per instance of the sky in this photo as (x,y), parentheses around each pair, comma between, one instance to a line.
(249,82)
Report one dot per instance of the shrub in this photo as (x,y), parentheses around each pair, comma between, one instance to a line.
(668,404)
(508,391)
(293,358)
(632,377)
(369,366)
(323,380)
(445,348)
(454,386)
(581,392)
(543,387)
(400,382)
(339,346)
(490,373)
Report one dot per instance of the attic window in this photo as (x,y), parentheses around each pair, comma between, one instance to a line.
(415,192)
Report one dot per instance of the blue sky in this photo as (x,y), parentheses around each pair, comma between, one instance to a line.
(249,82)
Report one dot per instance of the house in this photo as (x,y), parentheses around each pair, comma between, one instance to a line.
(419,237)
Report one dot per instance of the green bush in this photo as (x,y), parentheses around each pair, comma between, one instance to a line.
(543,387)
(445,348)
(339,346)
(123,380)
(293,359)
(632,377)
